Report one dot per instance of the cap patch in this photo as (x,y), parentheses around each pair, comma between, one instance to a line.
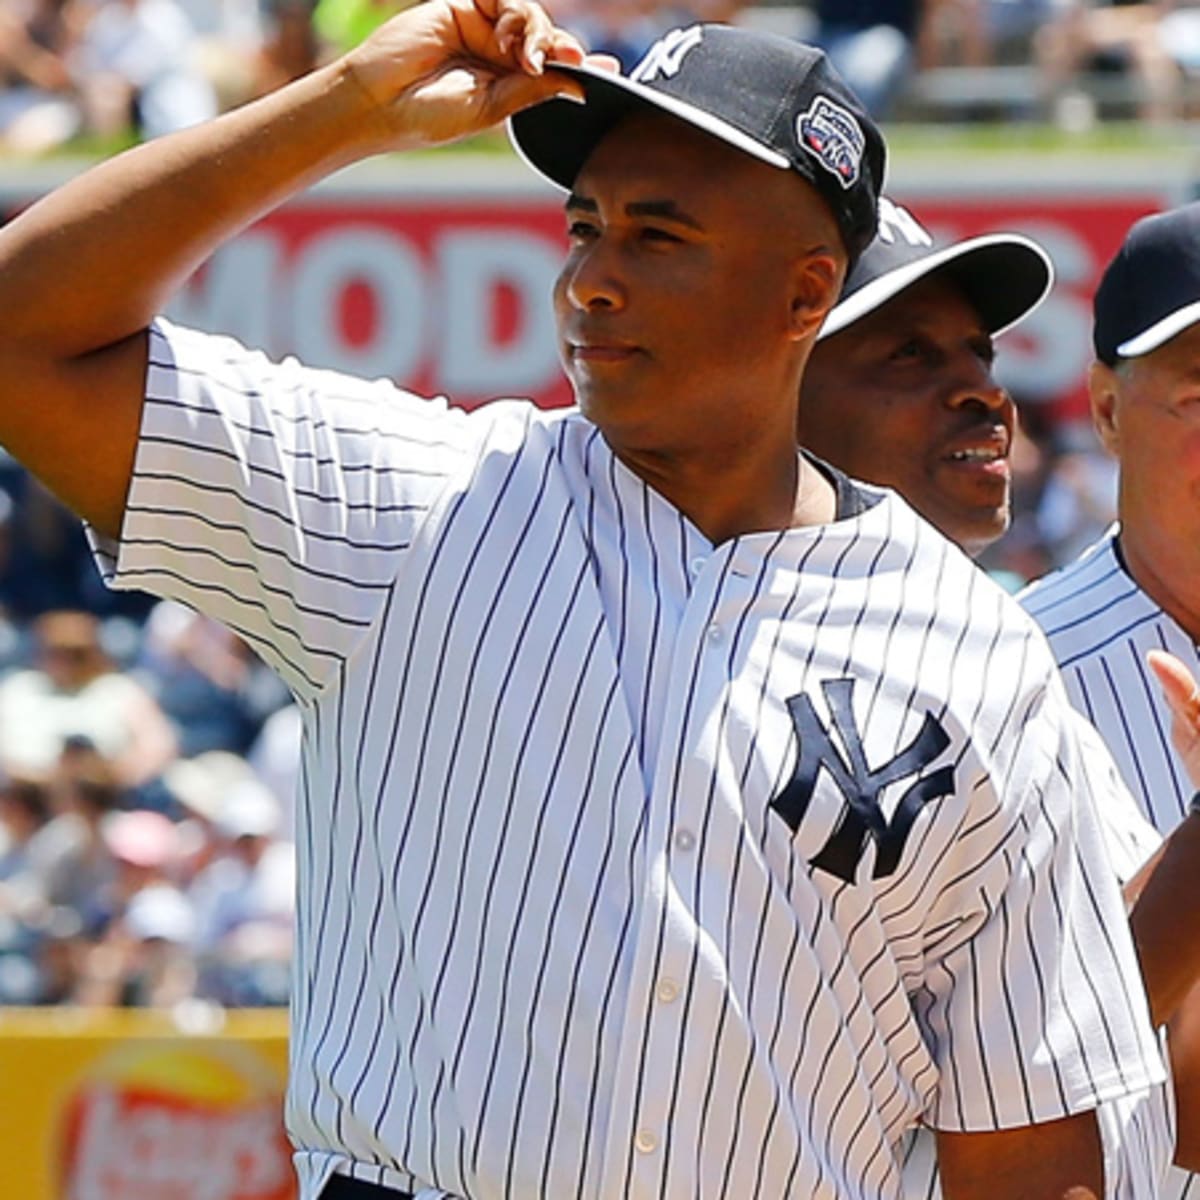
(833,136)
(666,56)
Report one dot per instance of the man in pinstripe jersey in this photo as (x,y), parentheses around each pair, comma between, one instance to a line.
(660,835)
(1135,591)
(910,343)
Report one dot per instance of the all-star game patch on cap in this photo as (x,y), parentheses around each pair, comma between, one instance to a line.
(1004,276)
(1151,290)
(773,98)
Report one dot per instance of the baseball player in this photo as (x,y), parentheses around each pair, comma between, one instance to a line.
(660,835)
(900,391)
(1132,592)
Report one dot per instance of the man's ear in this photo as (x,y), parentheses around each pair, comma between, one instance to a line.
(1104,387)
(816,284)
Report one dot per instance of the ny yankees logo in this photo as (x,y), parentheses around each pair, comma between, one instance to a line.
(860,786)
(895,221)
(666,56)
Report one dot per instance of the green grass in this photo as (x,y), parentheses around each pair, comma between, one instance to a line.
(1023,137)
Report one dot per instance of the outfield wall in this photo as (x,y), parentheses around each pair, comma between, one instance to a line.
(437,272)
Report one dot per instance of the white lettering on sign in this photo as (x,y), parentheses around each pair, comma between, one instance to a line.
(391,269)
(436,319)
(472,265)
(240,294)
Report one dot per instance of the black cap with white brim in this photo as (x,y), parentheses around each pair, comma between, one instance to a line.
(773,98)
(1150,292)
(1004,276)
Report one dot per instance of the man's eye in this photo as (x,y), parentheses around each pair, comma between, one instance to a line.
(906,350)
(658,235)
(578,230)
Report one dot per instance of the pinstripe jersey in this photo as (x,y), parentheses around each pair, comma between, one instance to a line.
(631,865)
(1137,1132)
(1100,625)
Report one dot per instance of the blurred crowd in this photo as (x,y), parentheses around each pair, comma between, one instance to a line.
(98,71)
(147,768)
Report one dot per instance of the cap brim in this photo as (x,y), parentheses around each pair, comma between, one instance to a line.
(1005,277)
(556,136)
(1161,331)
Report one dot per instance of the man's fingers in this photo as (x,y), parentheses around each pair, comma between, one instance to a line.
(1179,687)
(604,62)
(517,33)
(512,93)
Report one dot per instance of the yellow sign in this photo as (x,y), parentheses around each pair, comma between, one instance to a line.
(135,1105)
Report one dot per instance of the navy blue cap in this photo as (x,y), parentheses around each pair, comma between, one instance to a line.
(774,98)
(1004,276)
(1151,289)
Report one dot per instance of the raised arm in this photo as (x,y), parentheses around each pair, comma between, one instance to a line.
(84,271)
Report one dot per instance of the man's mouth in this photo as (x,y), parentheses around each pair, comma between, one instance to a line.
(979,454)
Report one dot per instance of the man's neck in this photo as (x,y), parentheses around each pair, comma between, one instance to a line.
(1171,580)
(725,500)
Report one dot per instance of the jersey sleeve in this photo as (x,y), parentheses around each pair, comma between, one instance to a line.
(1032,1004)
(278,499)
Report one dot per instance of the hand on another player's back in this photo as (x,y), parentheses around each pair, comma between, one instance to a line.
(446,69)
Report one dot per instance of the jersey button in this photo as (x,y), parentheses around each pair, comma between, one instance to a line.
(667,991)
(685,840)
(645,1141)
(696,566)
(714,632)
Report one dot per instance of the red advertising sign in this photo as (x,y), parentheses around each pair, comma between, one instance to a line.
(1044,360)
(446,288)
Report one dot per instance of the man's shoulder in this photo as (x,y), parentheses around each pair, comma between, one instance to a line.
(1068,587)
(1089,605)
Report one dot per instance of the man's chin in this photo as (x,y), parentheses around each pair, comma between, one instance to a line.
(975,534)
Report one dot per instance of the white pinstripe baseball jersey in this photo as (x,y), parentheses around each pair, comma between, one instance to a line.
(1137,1132)
(1100,625)
(632,865)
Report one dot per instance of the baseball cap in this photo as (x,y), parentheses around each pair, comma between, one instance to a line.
(247,810)
(1005,276)
(776,99)
(160,912)
(1151,290)
(140,837)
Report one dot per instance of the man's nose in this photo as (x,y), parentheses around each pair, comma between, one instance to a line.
(592,279)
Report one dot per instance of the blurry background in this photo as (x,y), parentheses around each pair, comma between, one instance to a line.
(148,759)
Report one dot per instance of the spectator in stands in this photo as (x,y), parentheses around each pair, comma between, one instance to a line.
(73,691)
(289,48)
(44,559)
(244,902)
(275,759)
(1079,500)
(143,957)
(983,33)
(873,44)
(39,109)
(1095,34)
(227,36)
(1179,35)
(211,687)
(74,864)
(137,69)
(24,814)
